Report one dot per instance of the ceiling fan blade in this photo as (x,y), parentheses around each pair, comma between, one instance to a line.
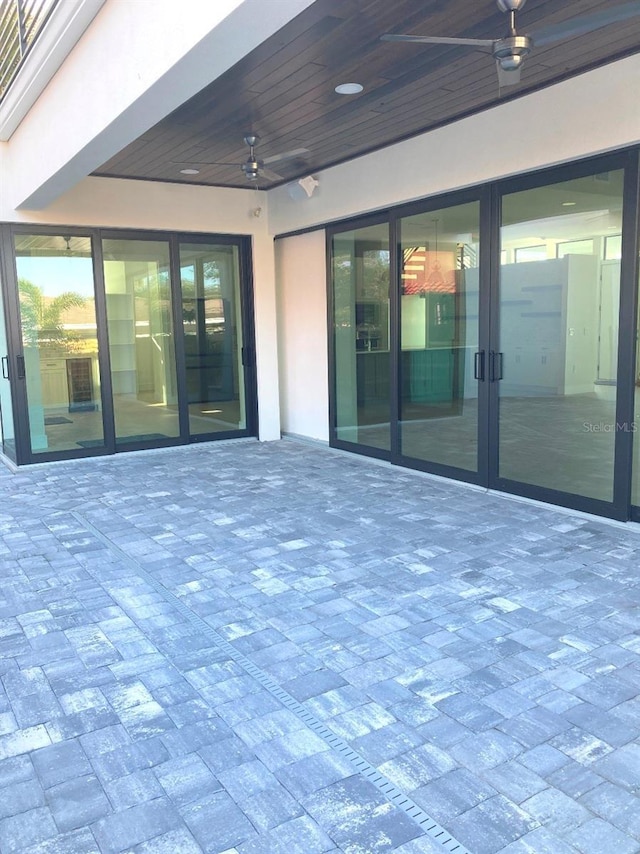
(270,175)
(585,24)
(508,76)
(286,155)
(391,37)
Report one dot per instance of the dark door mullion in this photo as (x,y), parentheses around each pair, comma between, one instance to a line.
(247,324)
(627,326)
(486,277)
(104,353)
(395,379)
(175,284)
(18,387)
(490,333)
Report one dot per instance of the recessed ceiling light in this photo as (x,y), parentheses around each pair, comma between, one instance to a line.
(568,204)
(349,88)
(189,171)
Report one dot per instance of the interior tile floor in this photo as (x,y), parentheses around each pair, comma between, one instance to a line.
(138,419)
(282,649)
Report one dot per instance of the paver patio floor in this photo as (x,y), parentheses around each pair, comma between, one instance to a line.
(276,648)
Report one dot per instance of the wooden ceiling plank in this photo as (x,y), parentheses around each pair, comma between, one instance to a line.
(284,89)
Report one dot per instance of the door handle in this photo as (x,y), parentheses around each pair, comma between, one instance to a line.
(5,367)
(21,369)
(495,366)
(478,365)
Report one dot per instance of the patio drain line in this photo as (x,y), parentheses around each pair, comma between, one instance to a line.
(427,824)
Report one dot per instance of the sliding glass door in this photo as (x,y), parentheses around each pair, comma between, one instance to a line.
(141,340)
(59,359)
(499,336)
(558,347)
(361,316)
(122,340)
(211,309)
(440,363)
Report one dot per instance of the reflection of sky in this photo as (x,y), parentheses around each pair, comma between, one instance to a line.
(57,275)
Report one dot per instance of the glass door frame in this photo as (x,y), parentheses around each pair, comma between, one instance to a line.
(24,452)
(482,197)
(9,283)
(620,507)
(490,196)
(247,321)
(392,218)
(379,218)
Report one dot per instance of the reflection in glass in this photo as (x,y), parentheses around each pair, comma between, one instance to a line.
(559,336)
(439,255)
(361,335)
(59,340)
(211,319)
(141,344)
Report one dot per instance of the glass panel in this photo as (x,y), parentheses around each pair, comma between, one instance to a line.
(7,433)
(60,342)
(439,254)
(141,343)
(559,337)
(212,323)
(361,329)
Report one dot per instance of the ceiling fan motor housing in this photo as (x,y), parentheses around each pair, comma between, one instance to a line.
(510,5)
(511,50)
(251,169)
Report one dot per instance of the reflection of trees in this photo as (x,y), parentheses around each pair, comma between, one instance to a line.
(41,316)
(375,275)
(361,277)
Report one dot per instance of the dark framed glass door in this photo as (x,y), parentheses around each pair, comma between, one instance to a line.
(361,322)
(560,417)
(211,309)
(125,340)
(442,409)
(59,363)
(512,342)
(142,348)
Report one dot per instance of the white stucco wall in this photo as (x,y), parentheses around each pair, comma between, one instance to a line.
(586,115)
(137,61)
(302,335)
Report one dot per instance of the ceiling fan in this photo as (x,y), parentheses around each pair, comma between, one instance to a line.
(253,167)
(511,50)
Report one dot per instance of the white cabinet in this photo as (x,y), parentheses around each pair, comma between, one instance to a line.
(55,390)
(549,326)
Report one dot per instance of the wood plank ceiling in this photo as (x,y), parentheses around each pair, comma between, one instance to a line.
(284,89)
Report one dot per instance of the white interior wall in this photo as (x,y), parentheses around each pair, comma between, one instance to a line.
(302,335)
(117,203)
